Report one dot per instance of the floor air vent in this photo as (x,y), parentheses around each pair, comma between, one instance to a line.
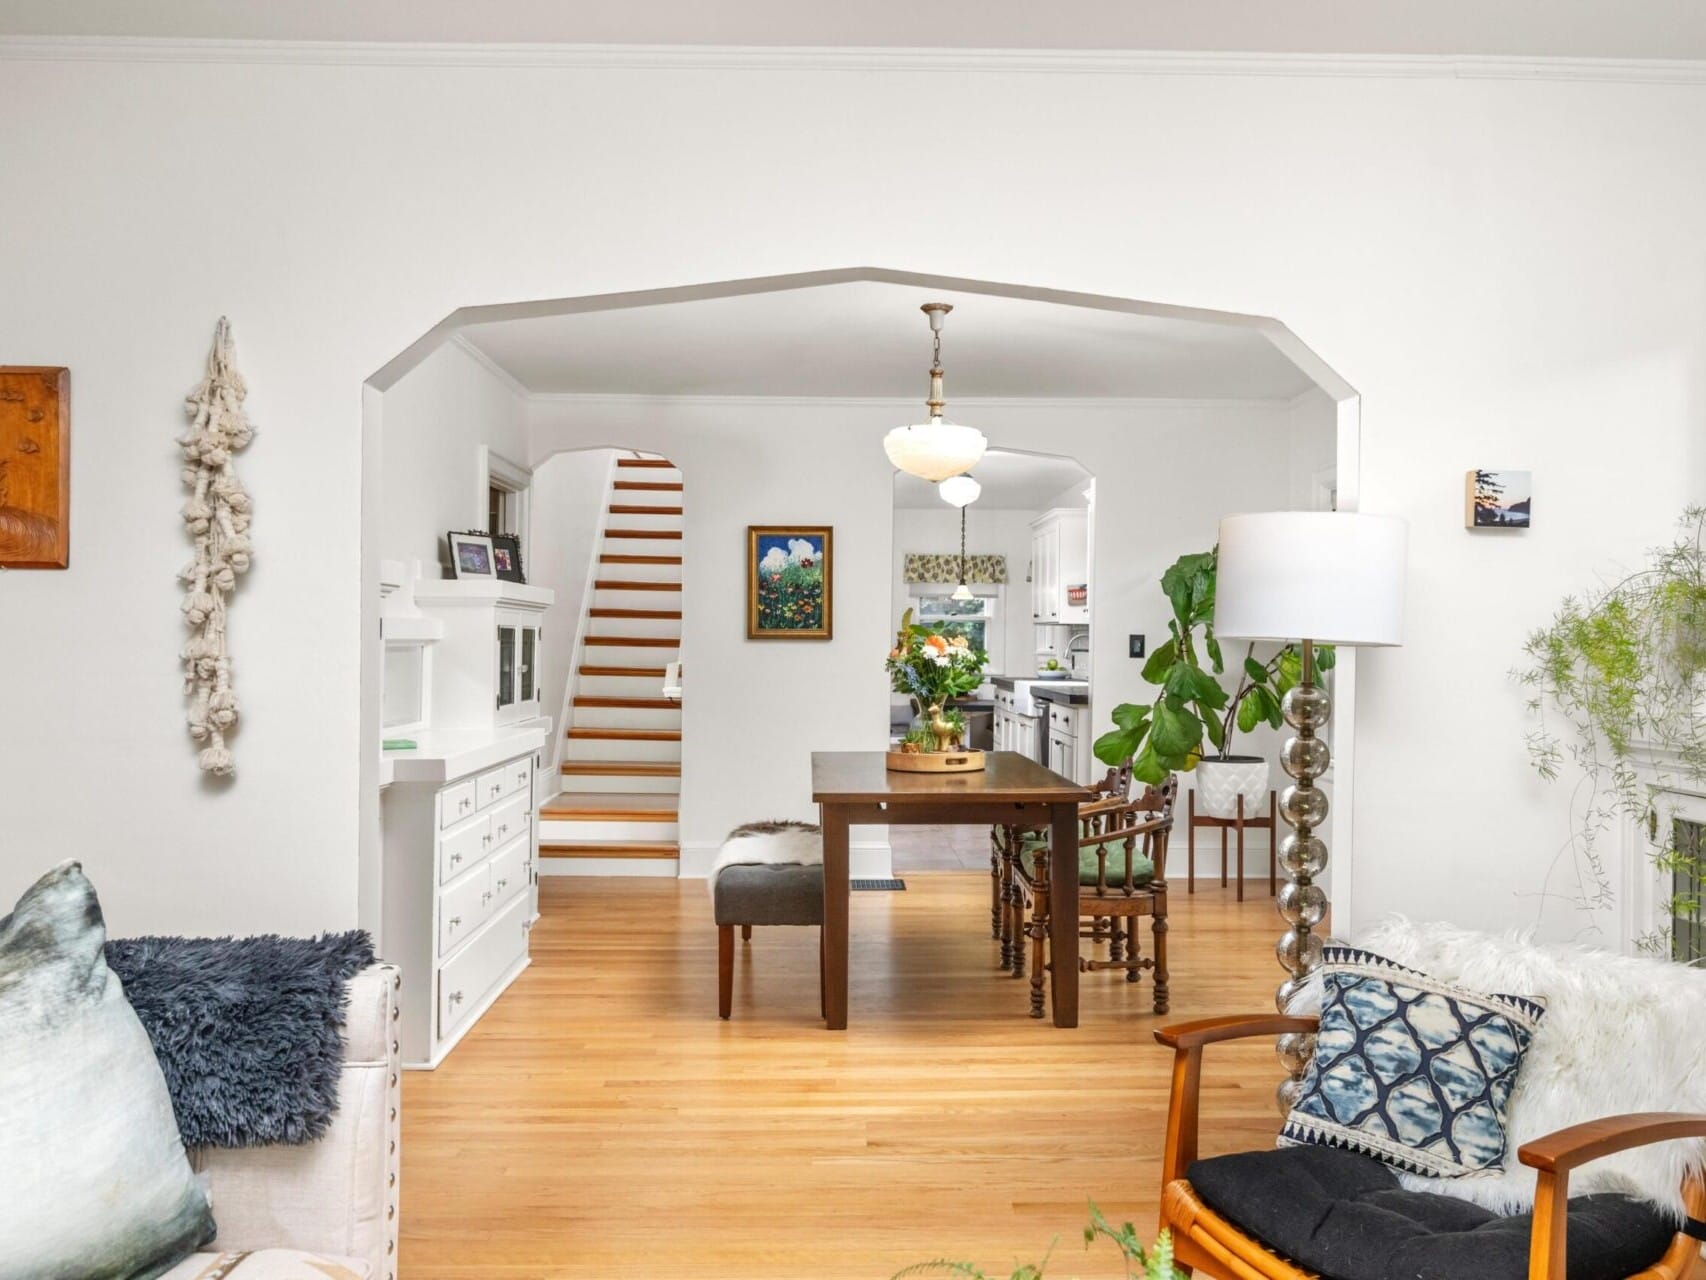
(878,884)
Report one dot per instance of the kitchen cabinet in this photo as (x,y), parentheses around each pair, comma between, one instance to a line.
(1071,741)
(1014,730)
(1059,560)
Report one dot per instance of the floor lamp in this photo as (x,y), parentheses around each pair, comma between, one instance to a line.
(1319,577)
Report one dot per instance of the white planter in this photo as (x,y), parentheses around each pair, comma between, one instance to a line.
(1221,782)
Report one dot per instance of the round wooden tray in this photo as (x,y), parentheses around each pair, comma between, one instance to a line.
(935,761)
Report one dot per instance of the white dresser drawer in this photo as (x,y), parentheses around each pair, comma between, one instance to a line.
(463,907)
(521,777)
(511,818)
(464,980)
(456,802)
(511,867)
(462,848)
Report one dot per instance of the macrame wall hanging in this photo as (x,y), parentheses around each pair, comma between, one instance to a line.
(217,517)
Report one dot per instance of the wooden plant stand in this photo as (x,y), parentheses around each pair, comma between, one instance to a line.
(1237,822)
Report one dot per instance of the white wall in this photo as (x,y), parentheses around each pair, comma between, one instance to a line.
(436,421)
(1508,270)
(568,502)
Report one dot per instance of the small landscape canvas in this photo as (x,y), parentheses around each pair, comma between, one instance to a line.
(1499,499)
(789,578)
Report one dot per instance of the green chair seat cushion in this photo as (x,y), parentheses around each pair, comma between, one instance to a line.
(1142,869)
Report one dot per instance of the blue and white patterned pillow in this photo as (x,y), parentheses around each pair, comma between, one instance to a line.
(1413,1071)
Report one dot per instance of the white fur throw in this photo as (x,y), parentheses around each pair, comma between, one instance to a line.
(1621,1034)
(767,844)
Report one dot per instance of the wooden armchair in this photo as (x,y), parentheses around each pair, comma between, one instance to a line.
(1122,876)
(1210,1244)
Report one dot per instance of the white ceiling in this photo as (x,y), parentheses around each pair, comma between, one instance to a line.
(1011,482)
(1555,28)
(869,340)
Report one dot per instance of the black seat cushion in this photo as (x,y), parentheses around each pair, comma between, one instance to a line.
(1346,1216)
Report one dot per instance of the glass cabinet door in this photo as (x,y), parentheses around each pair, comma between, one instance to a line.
(506,667)
(529,662)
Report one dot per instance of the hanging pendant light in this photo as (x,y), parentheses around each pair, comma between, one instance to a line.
(962,592)
(959,491)
(937,449)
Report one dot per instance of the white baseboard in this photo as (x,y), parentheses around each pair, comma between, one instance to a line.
(866,860)
(549,866)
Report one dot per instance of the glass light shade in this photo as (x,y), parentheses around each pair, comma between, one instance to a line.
(962,592)
(959,491)
(935,450)
(1332,576)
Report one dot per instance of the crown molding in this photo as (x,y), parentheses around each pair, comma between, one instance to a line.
(617,400)
(18,48)
(511,383)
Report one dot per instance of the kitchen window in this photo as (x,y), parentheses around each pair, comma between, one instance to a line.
(977,619)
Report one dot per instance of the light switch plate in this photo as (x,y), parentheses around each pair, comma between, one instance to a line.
(1137,646)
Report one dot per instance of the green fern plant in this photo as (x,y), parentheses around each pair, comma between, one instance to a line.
(1152,1263)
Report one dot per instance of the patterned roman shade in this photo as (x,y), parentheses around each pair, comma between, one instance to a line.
(946,568)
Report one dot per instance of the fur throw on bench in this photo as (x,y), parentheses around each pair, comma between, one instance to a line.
(768,844)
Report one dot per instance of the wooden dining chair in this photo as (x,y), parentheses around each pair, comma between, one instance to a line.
(1006,911)
(1209,1244)
(1122,877)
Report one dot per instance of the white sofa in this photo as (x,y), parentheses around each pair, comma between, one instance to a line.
(327,1209)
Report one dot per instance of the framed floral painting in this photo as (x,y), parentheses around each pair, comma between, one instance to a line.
(790,573)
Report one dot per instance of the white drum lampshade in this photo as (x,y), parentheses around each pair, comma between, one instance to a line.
(1335,577)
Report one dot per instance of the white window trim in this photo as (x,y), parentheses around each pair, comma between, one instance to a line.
(996,625)
(499,472)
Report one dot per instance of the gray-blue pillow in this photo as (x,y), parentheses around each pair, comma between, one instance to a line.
(1415,1072)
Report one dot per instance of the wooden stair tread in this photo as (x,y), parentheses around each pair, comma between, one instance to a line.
(649,486)
(665,614)
(625,735)
(640,509)
(616,559)
(624,768)
(632,704)
(635,642)
(609,849)
(610,806)
(660,463)
(623,584)
(651,673)
(662,535)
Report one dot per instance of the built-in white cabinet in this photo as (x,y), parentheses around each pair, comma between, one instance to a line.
(1071,742)
(485,672)
(1060,567)
(461,877)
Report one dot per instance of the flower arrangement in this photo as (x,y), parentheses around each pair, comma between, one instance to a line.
(933,668)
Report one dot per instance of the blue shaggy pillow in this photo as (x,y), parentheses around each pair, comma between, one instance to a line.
(1415,1072)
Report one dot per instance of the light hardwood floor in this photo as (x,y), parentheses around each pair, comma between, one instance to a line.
(601,1122)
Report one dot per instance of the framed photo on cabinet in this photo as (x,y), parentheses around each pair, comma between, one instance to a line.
(471,555)
(790,575)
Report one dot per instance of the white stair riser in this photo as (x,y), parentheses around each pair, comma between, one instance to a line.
(620,686)
(670,600)
(660,498)
(647,546)
(630,655)
(605,749)
(669,522)
(627,718)
(556,829)
(639,572)
(649,475)
(670,627)
(619,784)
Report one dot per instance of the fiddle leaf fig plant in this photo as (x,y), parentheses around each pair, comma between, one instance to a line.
(1192,707)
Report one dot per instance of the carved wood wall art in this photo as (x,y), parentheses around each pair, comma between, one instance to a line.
(35,467)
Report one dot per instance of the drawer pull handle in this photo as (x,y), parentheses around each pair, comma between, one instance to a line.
(487,838)
(455,922)
(502,883)
(455,858)
(455,997)
(464,803)
(497,788)
(502,830)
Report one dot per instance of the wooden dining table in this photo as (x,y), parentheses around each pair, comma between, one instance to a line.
(856,788)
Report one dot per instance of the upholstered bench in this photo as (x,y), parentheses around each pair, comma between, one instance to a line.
(762,894)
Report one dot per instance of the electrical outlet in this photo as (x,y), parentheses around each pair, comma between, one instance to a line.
(1137,646)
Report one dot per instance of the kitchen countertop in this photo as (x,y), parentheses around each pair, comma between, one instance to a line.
(1074,693)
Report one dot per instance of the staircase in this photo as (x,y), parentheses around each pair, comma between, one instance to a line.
(621,770)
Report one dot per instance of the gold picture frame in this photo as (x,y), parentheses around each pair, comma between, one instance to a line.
(790,582)
(35,467)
